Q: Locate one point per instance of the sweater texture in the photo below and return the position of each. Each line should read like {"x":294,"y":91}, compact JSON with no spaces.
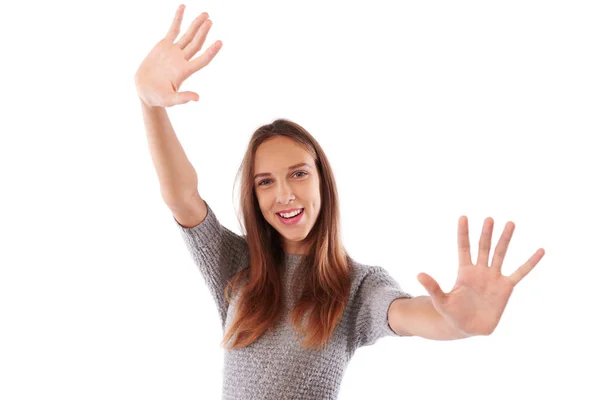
{"x":276,"y":366}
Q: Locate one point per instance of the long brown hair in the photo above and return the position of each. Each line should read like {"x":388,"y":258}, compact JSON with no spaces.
{"x":326,"y":281}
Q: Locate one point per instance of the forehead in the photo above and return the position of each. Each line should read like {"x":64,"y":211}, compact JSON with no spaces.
{"x":279,"y":153}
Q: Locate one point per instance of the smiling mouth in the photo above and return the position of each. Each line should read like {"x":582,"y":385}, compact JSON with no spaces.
{"x":300,"y":209}
{"x":292,"y":220}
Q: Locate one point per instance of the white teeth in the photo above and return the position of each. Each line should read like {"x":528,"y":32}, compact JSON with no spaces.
{"x":292,"y":214}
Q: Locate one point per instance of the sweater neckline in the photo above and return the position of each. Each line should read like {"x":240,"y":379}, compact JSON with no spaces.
{"x":292,"y":258}
{"x":292,"y":255}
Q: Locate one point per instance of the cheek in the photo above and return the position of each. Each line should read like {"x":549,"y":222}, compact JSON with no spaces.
{"x":263,"y":203}
{"x":316,"y":190}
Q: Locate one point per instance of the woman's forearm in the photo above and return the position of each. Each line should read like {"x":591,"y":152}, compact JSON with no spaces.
{"x":177,"y":177}
{"x":418,"y":317}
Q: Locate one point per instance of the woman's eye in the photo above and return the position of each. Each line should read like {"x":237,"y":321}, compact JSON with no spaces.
{"x":295,"y":174}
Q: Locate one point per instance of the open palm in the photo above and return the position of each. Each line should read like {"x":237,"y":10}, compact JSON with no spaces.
{"x":170,"y":63}
{"x":476,"y":303}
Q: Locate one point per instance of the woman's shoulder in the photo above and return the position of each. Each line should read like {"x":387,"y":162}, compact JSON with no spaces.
{"x":360,"y":271}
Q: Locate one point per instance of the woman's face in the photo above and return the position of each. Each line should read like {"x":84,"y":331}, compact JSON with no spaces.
{"x":279,"y":188}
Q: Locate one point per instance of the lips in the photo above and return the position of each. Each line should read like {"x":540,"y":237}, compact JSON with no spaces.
{"x":291,"y":221}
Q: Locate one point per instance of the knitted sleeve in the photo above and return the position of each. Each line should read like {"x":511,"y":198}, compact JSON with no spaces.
{"x":374,"y":296}
{"x":219,"y":254}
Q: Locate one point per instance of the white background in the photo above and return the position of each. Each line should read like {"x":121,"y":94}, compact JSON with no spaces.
{"x":427,"y":111}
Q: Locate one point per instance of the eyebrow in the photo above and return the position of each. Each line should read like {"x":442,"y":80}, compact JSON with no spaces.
{"x":289,"y":168}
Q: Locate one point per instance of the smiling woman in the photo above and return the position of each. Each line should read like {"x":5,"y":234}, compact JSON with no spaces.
{"x":291,"y":299}
{"x":294,"y":306}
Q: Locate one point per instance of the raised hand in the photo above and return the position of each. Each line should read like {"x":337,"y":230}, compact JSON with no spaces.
{"x":477,"y":301}
{"x":168,"y":64}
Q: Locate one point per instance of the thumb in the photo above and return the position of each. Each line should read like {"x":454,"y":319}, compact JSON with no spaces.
{"x":184,"y":97}
{"x":430,"y":285}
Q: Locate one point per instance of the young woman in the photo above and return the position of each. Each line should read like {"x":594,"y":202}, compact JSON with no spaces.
{"x":294,"y":306}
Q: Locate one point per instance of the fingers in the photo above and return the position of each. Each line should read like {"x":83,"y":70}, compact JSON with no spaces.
{"x":198,"y":40}
{"x":502,"y":247}
{"x":527,"y":267}
{"x":176,"y":24}
{"x":485,"y":242}
{"x":464,"y":248}
{"x":191,"y":32}
{"x":206,"y":57}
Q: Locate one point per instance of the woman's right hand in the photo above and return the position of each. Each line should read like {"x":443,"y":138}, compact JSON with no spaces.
{"x":168,"y":64}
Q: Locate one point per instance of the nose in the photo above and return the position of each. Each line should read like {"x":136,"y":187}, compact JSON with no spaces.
{"x":284,"y":194}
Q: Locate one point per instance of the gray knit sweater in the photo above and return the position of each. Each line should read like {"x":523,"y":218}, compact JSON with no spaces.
{"x":276,"y":366}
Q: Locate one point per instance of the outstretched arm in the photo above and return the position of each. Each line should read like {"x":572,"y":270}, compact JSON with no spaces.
{"x":418,"y":317}
{"x":477,"y":301}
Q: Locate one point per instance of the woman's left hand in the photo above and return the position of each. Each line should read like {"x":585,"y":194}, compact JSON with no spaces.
{"x":476,"y":303}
